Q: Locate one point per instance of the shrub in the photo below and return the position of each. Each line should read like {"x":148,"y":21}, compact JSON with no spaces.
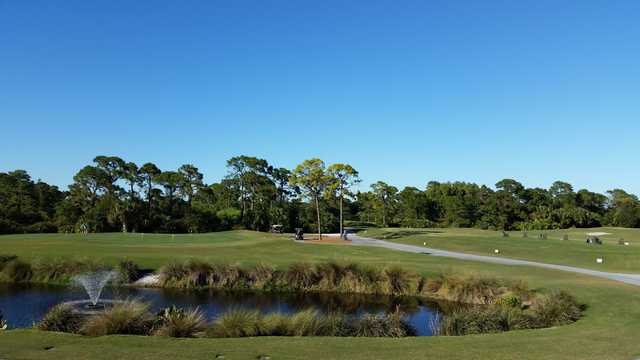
{"x":301,"y":276}
{"x":129,"y":317}
{"x":388,"y":325}
{"x":307,"y":323}
{"x":224,"y":276}
{"x":557,"y":308}
{"x":60,"y":270}
{"x":510,"y":300}
{"x":303,"y":323}
{"x":16,"y":271}
{"x":61,"y":318}
{"x":172,"y":274}
{"x":235,"y":323}
{"x":401,"y":282}
{"x":482,"y":320}
{"x":274,"y":324}
{"x":174,"y":322}
{"x":473,"y":289}
{"x":262,"y":276}
{"x":4,"y":259}
{"x":128,"y":271}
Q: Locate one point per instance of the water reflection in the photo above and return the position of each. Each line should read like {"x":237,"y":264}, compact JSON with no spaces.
{"x":25,"y":304}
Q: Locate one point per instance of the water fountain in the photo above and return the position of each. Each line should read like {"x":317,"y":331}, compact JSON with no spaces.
{"x":93,"y":283}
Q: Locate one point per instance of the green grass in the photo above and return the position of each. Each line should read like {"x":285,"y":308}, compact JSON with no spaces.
{"x":553,"y":250}
{"x":609,"y":329}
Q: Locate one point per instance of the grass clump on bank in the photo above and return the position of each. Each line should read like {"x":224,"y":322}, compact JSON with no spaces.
{"x":61,"y":318}
{"x":179,"y":323}
{"x":56,"y":271}
{"x":128,"y":318}
{"x":134,"y":318}
{"x":555,"y":309}
{"x":336,"y":277}
{"x":245,"y":323}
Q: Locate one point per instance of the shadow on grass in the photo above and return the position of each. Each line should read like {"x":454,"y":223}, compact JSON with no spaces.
{"x":404,"y":233}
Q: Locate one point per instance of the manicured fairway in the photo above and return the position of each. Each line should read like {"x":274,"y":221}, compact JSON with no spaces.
{"x":554,"y":250}
{"x":608,"y":331}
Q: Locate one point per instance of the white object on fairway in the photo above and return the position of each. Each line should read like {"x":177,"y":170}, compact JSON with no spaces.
{"x":599,"y":260}
{"x":424,"y":243}
{"x":496,"y":251}
{"x":626,"y":243}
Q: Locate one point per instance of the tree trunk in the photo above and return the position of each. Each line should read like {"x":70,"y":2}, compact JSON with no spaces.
{"x":318,"y":213}
{"x":341,"y":222}
{"x":384,"y":216}
{"x":150,"y":185}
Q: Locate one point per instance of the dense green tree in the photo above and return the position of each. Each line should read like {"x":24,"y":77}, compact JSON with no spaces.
{"x":116,"y":195}
{"x":147,"y":176}
{"x":385,"y":199}
{"x":312,"y":178}
{"x":342,"y":177}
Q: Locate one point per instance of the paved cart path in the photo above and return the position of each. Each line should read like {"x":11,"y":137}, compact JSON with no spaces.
{"x":356,"y":240}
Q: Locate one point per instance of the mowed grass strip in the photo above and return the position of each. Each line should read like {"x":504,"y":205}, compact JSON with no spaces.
{"x":553,"y":250}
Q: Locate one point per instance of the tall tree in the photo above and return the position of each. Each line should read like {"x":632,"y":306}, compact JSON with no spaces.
{"x":342,"y":178}
{"x":170,"y":180}
{"x":191,"y":181}
{"x":311,"y":177}
{"x":242,"y":170}
{"x":148,"y":174}
{"x":385,"y":195}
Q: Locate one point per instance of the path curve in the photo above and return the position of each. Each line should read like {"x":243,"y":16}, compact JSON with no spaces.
{"x":633,"y":279}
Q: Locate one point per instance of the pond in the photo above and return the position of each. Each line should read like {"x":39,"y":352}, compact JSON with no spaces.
{"x":23,"y":305}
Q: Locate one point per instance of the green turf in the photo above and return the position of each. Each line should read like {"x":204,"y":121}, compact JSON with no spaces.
{"x":554,"y":250}
{"x":609,"y":330}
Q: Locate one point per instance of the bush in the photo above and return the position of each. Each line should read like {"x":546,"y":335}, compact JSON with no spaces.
{"x":16,"y":271}
{"x":510,"y":300}
{"x":60,"y":270}
{"x":129,"y":317}
{"x":482,"y":320}
{"x":128,"y":272}
{"x":307,"y":323}
{"x":558,"y":308}
{"x":241,"y":323}
{"x":4,"y":259}
{"x":236,"y":323}
{"x":61,"y":318}
{"x":301,"y":276}
{"x":174,"y":322}
{"x":401,"y":282}
{"x":473,"y":289}
{"x":274,"y":324}
{"x":388,"y":325}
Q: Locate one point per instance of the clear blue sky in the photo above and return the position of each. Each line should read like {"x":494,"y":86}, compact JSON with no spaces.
{"x":405,"y":91}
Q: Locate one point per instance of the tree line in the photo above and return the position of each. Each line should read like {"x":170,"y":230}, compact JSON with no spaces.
{"x":112,"y":194}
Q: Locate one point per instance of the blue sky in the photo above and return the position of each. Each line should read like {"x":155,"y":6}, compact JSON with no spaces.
{"x":405,"y":91}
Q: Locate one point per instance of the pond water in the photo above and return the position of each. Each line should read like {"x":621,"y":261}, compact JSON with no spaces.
{"x":23,"y":305}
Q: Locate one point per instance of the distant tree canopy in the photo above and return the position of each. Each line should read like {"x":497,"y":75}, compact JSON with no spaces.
{"x":115,"y":195}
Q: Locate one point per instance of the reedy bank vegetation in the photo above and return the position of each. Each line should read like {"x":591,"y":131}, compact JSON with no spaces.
{"x":134,"y":318}
{"x":338,"y":277}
